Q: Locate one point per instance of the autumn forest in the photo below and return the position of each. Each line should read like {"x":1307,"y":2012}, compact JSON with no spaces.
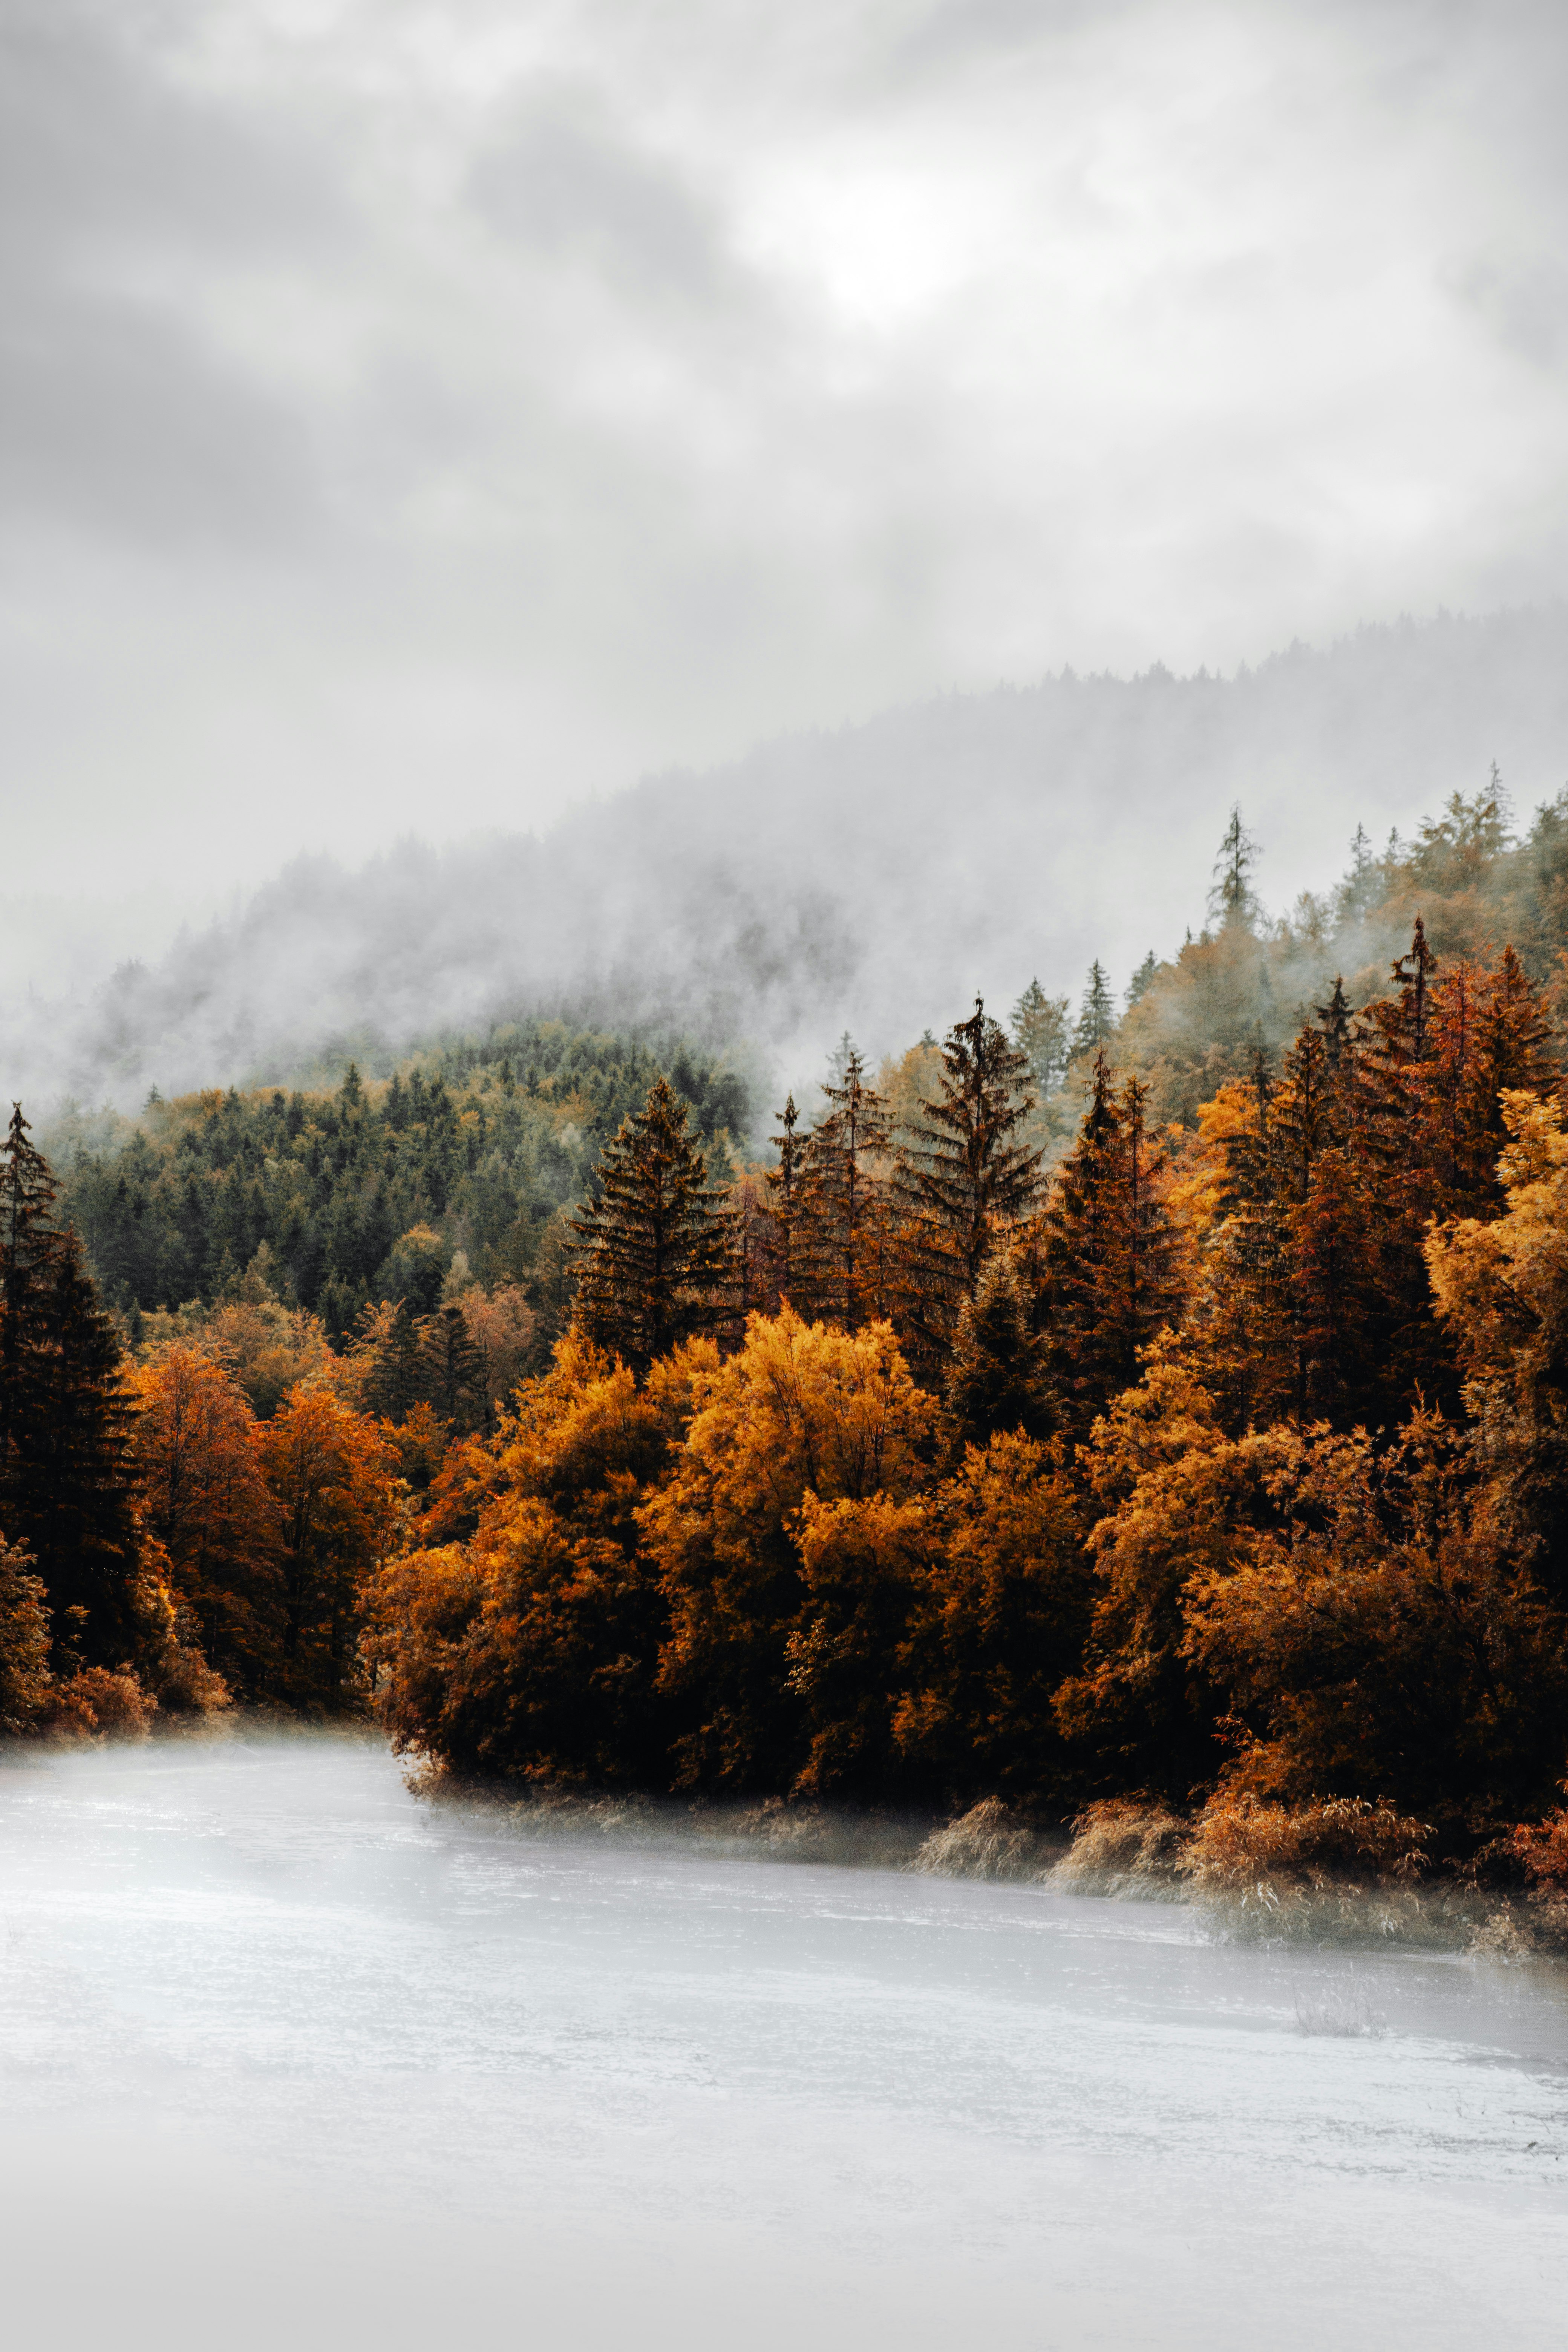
{"x":1154,"y":1399}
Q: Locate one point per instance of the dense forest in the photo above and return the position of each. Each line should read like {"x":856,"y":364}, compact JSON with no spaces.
{"x":1157,"y":1401}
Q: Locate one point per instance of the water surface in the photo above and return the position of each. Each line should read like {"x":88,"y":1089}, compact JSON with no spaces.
{"x":290,"y":2056}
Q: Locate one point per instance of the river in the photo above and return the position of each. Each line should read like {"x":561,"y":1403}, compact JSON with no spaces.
{"x":292,"y":2057}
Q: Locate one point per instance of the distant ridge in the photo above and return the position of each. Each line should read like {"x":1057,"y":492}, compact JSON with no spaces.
{"x":871,"y":878}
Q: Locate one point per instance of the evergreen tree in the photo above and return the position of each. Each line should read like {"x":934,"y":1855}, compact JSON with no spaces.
{"x":388,"y":1342}
{"x":995,"y":1372}
{"x":1335,"y":1020}
{"x":66,"y":1480}
{"x":965,"y":1178}
{"x":650,"y":1249}
{"x":1041,"y":1034}
{"x":1231,"y":900}
{"x":1137,"y":987}
{"x":787,"y":1182}
{"x":1096,"y":1013}
{"x":456,"y":1376}
{"x":1104,"y":1256}
{"x":844,"y":1239}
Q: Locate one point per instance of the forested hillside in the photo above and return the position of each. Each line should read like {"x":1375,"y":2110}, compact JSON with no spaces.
{"x":1149,"y":1412}
{"x":870,"y":877}
{"x":477,"y":1147}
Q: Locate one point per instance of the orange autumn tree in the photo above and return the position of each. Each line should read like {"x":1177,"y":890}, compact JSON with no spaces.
{"x":197,"y":1450}
{"x":800,"y":1411}
{"x":331,"y":1475}
{"x":529,"y":1644}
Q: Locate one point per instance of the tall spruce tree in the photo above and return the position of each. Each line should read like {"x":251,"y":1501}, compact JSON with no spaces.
{"x":66,"y":1476}
{"x":786,"y":1203}
{"x":1096,"y":1013}
{"x":1232,"y":900}
{"x":650,"y":1247}
{"x":966,"y":1179}
{"x":1103,"y":1255}
{"x":1040,"y":1033}
{"x":844,"y":1238}
{"x":995,"y":1371}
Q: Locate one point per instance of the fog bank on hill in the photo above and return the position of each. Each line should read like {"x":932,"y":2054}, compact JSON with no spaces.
{"x":873,"y":878}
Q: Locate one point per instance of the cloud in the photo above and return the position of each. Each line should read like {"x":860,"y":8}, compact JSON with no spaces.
{"x":429,"y":416}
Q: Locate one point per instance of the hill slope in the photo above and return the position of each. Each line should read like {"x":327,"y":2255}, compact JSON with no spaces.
{"x":873,"y":877}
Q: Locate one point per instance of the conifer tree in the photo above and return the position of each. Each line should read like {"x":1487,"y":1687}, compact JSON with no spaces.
{"x":966,"y":1178}
{"x":388,"y":1337}
{"x":792,"y":1273}
{"x":652,"y":1264}
{"x":1143,"y":979}
{"x":1096,"y":1013}
{"x":1104,"y":1256}
{"x":456,"y":1376}
{"x":1231,"y":900}
{"x":1040,"y":1033}
{"x":844,"y":1235}
{"x":995,"y":1372}
{"x":66,"y":1480}
{"x":1335,"y":1020}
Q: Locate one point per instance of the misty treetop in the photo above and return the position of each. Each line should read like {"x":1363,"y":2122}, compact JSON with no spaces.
{"x":487,"y":1145}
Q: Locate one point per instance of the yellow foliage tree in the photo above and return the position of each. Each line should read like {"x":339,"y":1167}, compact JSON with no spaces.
{"x":197,"y":1447}
{"x":799,"y":1410}
{"x":330,"y":1474}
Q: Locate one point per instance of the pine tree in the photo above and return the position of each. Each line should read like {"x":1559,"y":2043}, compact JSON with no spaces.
{"x":791,"y":1269}
{"x":1413,"y":974}
{"x":1137,"y":987}
{"x":1041,"y":1034}
{"x":966,"y":1179}
{"x":1231,"y":900}
{"x":1096,"y":1013}
{"x":455,"y":1376}
{"x":844,"y":1234}
{"x":387,"y":1342}
{"x":995,"y":1372}
{"x":65,"y":1477}
{"x":1335,"y":1019}
{"x":1104,"y":1256}
{"x":652,"y":1266}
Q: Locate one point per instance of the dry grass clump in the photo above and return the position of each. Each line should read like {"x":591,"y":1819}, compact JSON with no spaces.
{"x":988,"y":1841}
{"x":1125,"y":1845}
{"x":96,"y":1703}
{"x":1245,"y":1843}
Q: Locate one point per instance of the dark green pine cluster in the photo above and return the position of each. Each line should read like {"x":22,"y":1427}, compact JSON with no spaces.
{"x":488,"y":1143}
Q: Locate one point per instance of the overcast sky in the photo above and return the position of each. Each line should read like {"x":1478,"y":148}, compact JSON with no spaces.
{"x":422,"y":415}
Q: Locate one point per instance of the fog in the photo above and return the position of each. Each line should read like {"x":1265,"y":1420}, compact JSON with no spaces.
{"x":426,"y":418}
{"x":872,"y":878}
{"x":290,"y":2056}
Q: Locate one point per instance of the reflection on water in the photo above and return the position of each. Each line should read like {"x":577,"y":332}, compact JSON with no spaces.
{"x":289,"y":2055}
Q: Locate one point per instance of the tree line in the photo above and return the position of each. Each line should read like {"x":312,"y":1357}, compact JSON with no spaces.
{"x":1213,"y":1461}
{"x":1219,"y":1464}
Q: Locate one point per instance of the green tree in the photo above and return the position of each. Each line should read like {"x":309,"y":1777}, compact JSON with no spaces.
{"x":996,"y":1370}
{"x":791,"y":1269}
{"x":1041,"y":1034}
{"x":966,"y":1178}
{"x":652,"y":1262}
{"x":1232,"y":900}
{"x":844,"y":1235}
{"x":1096,"y":1013}
{"x":1104,"y":1256}
{"x":66,"y":1479}
{"x":455,"y":1373}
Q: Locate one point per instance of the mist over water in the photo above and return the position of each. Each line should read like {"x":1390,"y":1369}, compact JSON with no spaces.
{"x":292,"y":2056}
